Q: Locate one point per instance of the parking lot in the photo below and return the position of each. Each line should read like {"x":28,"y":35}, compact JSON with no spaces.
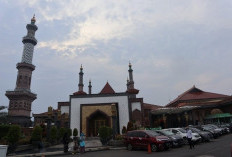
{"x":220,"y":147}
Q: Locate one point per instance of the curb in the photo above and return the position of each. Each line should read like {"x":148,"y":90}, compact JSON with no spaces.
{"x":69,"y":153}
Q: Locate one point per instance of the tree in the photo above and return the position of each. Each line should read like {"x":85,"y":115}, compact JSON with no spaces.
{"x":105,"y":134}
{"x":3,"y":115}
{"x":130,"y":126}
{"x":36,"y":134}
{"x":123,"y":130}
{"x":61,"y":133}
{"x":53,"y":134}
{"x":75,"y":132}
{"x":13,"y":137}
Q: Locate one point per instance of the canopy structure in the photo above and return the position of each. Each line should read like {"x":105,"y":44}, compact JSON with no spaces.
{"x":219,"y":115}
{"x":172,"y":110}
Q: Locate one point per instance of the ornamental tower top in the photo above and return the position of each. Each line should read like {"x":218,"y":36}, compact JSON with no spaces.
{"x":29,"y":42}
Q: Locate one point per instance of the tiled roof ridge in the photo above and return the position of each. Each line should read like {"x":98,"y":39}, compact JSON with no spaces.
{"x":107,"y":89}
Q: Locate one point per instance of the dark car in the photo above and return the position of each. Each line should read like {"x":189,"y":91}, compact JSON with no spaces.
{"x":176,"y":140}
{"x":205,"y":136}
{"x":215,"y":133}
{"x":143,"y":138}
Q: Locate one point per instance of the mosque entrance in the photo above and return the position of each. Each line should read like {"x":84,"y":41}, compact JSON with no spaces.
{"x":95,"y":121}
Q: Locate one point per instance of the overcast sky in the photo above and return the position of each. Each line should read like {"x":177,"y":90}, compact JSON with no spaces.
{"x":172,"y":45}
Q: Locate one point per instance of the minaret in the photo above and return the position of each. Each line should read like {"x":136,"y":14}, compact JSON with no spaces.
{"x":90,"y":87}
{"x":21,"y":98}
{"x":127,"y":83}
{"x":81,"y":85}
{"x":130,"y":84}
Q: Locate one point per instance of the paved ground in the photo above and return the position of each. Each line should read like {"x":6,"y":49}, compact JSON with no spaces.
{"x":217,"y":148}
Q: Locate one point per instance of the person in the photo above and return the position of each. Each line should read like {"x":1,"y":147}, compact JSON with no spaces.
{"x":65,"y":142}
{"x":82,"y":142}
{"x":189,"y":137}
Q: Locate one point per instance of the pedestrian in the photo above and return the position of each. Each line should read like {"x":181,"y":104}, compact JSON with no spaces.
{"x":189,"y":137}
{"x":65,"y":142}
{"x":82,"y":142}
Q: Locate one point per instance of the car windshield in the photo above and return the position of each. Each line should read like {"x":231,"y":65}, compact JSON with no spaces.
{"x":182,"y":130}
{"x":152,"y":133}
{"x":166,"y":132}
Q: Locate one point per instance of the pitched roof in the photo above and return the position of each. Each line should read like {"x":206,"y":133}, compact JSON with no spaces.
{"x":195,"y":94}
{"x":107,"y":89}
{"x":151,"y":106}
{"x":79,"y":93}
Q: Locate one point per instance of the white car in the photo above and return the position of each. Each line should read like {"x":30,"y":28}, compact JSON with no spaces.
{"x":183,"y":133}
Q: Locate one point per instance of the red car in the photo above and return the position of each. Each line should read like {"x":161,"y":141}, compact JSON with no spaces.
{"x":143,"y":138}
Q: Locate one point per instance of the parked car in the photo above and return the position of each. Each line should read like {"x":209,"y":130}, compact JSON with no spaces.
{"x":176,"y":140}
{"x":143,"y":138}
{"x":215,"y":127}
{"x":215,"y":133}
{"x":183,"y":133}
{"x":205,"y":136}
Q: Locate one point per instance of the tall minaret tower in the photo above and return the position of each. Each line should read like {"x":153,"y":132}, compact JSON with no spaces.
{"x":130,"y":84}
{"x":21,"y":98}
{"x":90,"y":87}
{"x":80,"y":85}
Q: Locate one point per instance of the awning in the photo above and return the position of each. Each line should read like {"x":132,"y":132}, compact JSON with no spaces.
{"x":219,"y":115}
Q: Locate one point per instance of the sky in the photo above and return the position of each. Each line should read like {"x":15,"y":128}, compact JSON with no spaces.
{"x":171,"y":44}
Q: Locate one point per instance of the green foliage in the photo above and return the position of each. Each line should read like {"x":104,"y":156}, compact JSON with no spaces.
{"x":130,"y":126}
{"x":75,"y":132}
{"x":118,"y":137}
{"x":105,"y":133}
{"x":61,"y":133}
{"x":53,"y":134}
{"x":44,"y":130}
{"x":123,"y":130}
{"x":4,"y":130}
{"x":37,"y":133}
{"x":13,"y":134}
{"x":3,"y":115}
{"x":25,"y":140}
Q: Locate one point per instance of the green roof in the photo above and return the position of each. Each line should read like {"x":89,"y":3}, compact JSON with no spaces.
{"x":219,"y":115}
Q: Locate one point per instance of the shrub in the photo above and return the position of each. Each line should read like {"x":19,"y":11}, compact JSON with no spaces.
{"x":75,"y":132}
{"x":4,"y":130}
{"x":130,"y":126}
{"x":105,"y":134}
{"x":37,"y":134}
{"x":118,"y":137}
{"x":123,"y":130}
{"x":24,"y":141}
{"x":61,"y":133}
{"x":53,"y":134}
{"x":14,"y":134}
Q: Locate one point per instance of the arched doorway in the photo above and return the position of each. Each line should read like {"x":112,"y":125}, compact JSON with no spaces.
{"x":96,"y":120}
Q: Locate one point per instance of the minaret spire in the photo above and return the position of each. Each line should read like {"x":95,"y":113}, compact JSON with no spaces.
{"x":90,"y":87}
{"x":130,"y":84}
{"x":81,"y":85}
{"x":21,"y":98}
{"x":131,"y":81}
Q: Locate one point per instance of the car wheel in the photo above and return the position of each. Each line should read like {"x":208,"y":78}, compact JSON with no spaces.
{"x":129,"y":147}
{"x":154,"y":148}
